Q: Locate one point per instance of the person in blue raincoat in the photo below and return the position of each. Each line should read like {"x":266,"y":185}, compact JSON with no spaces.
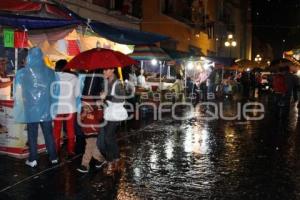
{"x":35,"y":100}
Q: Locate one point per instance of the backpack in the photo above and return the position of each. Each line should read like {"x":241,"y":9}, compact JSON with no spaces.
{"x":279,"y":84}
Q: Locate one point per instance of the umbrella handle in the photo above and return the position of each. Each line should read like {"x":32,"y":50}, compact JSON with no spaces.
{"x":91,"y":83}
{"x":120,"y":74}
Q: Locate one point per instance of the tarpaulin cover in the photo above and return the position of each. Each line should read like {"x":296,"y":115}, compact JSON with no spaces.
{"x":21,"y":39}
{"x":56,"y":11}
{"x":32,"y":98}
{"x":178,"y":55}
{"x":125,"y":35}
{"x":149,"y":52}
{"x":32,"y":23}
{"x":18,"y":5}
{"x":33,"y":7}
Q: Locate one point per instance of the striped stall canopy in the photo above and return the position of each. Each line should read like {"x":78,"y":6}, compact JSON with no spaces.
{"x":149,"y":52}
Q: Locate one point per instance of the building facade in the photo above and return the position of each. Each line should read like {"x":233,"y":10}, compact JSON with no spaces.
{"x":198,"y":26}
{"x":234,"y":17}
{"x":181,"y":20}
{"x":201,"y":25}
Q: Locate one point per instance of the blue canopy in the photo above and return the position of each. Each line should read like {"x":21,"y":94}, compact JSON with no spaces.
{"x":32,"y":23}
{"x":125,"y":35}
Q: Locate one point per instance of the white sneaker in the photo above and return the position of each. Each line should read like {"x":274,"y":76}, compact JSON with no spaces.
{"x":54,"y":161}
{"x":31,"y":164}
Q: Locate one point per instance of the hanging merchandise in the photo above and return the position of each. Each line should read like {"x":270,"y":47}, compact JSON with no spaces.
{"x":8,"y":38}
{"x":21,"y":39}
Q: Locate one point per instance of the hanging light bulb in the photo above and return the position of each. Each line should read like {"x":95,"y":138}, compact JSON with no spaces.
{"x":154,"y":62}
{"x":190,"y":65}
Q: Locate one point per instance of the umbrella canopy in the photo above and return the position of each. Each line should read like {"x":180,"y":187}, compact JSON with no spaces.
{"x":149,"y":52}
{"x":280,"y":63}
{"x":290,"y":62}
{"x":99,"y":58}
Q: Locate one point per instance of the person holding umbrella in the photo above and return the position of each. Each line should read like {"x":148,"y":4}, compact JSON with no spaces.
{"x":114,"y":113}
{"x":113,"y":97}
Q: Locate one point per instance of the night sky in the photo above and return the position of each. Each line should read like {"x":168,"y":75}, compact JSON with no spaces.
{"x":277,"y":22}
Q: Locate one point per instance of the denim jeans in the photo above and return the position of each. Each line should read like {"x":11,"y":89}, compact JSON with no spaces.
{"x":32,"y":135}
{"x":107,"y":141}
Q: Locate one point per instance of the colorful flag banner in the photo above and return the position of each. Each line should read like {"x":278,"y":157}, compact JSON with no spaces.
{"x":73,"y":48}
{"x":21,"y":39}
{"x":8,"y":38}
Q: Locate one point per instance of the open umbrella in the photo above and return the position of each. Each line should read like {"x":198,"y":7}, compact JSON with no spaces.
{"x":99,"y":58}
{"x":280,"y":63}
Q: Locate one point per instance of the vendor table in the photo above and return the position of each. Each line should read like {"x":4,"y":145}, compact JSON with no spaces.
{"x":13,"y":136}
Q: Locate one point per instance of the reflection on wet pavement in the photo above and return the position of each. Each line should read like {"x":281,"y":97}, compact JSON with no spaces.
{"x":192,"y":159}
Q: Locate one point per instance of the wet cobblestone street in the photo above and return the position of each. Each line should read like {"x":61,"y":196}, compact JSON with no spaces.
{"x":169,"y":159}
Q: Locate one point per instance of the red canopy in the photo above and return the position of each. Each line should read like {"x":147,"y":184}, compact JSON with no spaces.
{"x":25,"y":6}
{"x":17,"y":5}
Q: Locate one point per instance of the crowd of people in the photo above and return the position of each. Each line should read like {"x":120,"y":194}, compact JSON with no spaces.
{"x":51,"y":99}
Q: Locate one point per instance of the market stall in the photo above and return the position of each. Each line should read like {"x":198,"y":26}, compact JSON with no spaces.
{"x":19,"y":32}
{"x":60,"y":33}
{"x":153,"y":60}
{"x":155,"y":70}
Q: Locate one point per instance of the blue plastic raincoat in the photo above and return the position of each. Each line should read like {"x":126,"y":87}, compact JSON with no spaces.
{"x":33,"y":99}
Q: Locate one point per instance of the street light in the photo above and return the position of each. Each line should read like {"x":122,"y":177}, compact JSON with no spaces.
{"x":233,"y":43}
{"x":230,"y":42}
{"x":258,"y":58}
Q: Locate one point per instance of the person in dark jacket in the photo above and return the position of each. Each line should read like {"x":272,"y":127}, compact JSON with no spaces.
{"x":107,"y":141}
{"x":245,"y":81}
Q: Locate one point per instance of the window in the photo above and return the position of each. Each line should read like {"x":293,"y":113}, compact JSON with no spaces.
{"x":178,"y":9}
{"x":211,"y":30}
